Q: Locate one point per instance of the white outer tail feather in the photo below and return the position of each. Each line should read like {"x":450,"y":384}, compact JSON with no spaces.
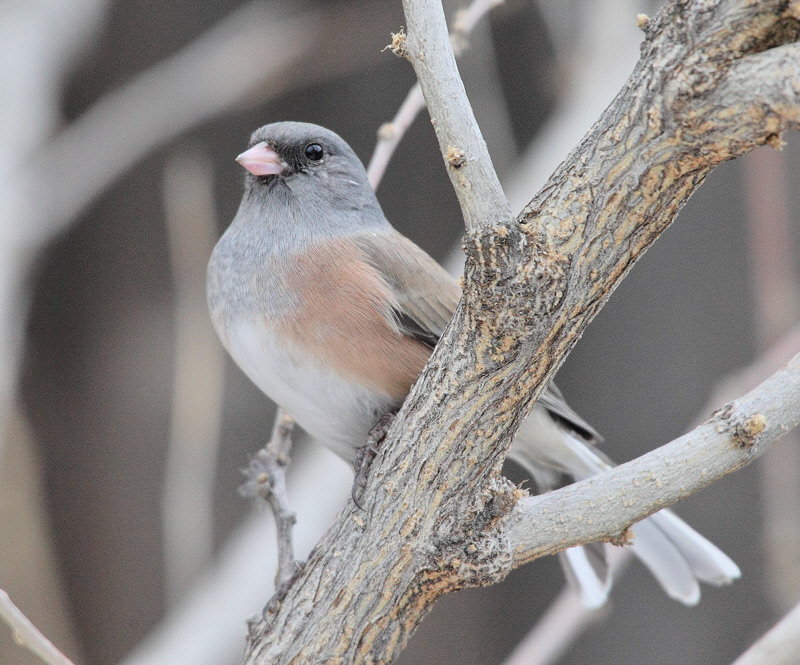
{"x":676,"y":555}
{"x":592,"y":590}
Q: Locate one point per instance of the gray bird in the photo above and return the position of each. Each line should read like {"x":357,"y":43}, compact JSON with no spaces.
{"x":333,"y":314}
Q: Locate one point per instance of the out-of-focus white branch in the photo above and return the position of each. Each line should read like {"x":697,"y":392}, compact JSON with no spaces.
{"x":193,"y":451}
{"x":45,"y":186}
{"x":49,"y":33}
{"x":779,"y":646}
{"x":224,"y":66}
{"x":564,"y":622}
{"x":28,"y":635}
{"x":54,"y":179}
{"x":775,"y":288}
{"x":39,"y":40}
{"x":206,"y":628}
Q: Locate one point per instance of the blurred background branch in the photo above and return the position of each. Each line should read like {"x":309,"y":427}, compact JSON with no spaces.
{"x":775,"y":288}
{"x":27,"y":635}
{"x":193,"y":449}
{"x":779,"y":646}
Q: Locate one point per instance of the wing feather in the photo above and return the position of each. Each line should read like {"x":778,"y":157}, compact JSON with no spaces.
{"x":426,"y":297}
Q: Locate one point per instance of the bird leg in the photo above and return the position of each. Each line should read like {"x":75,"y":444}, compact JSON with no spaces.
{"x":366,"y":453}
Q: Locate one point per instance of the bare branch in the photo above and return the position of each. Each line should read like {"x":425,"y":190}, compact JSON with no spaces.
{"x":391,"y":133}
{"x":469,"y":166}
{"x":267,"y":479}
{"x":604,"y":506}
{"x":28,"y":635}
{"x":567,"y":617}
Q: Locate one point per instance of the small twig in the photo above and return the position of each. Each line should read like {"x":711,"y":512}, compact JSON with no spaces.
{"x":567,"y":618}
{"x":266,"y":477}
{"x":28,"y":635}
{"x":779,"y":646}
{"x":391,"y":133}
{"x":732,"y":438}
{"x":427,"y":46}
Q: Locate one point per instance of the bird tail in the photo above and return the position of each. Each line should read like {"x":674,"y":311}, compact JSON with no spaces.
{"x":677,"y":556}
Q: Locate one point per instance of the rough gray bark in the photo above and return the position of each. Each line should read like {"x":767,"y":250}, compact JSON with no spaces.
{"x":715,"y":80}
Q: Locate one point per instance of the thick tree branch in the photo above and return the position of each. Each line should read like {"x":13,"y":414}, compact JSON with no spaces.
{"x":437,"y":508}
{"x":602,"y":507}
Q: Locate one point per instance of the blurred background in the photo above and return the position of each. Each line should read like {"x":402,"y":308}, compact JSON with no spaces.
{"x":122,"y":535}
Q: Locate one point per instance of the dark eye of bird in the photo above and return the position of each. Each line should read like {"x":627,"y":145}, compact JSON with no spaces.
{"x":314,"y":152}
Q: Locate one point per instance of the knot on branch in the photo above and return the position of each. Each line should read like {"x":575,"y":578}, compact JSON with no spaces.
{"x":513,"y":278}
{"x":456,"y":157}
{"x":477,"y":552}
{"x":744,"y":431}
{"x":622,"y":539}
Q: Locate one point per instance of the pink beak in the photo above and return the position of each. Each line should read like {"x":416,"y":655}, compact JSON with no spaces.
{"x":261,"y":160}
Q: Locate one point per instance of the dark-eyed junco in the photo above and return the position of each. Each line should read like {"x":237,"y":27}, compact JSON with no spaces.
{"x":333,"y":314}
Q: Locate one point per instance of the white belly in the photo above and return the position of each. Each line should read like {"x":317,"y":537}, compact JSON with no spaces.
{"x":336,"y":412}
